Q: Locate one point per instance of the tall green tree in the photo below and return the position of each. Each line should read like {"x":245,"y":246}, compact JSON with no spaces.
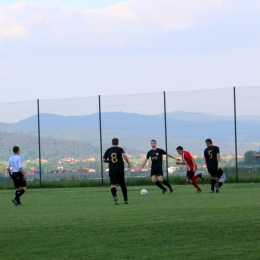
{"x":250,"y":160}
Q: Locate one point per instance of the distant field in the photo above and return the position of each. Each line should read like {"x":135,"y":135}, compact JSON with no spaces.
{"x":84,"y":223}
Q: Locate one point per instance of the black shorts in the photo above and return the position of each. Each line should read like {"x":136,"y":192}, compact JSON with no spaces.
{"x":157,"y":171}
{"x":190,"y":174}
{"x":18,"y":180}
{"x":117,"y":177}
{"x":215,"y":173}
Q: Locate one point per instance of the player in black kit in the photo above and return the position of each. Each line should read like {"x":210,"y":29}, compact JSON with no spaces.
{"x":212,"y":159}
{"x":115,"y":157}
{"x":156,"y":168}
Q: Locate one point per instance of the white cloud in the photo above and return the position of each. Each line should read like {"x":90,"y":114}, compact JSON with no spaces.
{"x":13,"y":32}
{"x":121,"y":25}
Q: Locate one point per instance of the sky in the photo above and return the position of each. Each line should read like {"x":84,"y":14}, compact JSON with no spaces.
{"x":70,"y":49}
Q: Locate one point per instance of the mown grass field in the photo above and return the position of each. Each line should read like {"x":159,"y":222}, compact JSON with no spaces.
{"x":84,"y":223}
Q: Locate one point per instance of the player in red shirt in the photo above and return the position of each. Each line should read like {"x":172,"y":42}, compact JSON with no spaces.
{"x":188,"y":160}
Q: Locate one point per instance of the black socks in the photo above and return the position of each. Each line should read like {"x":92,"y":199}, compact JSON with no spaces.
{"x":124,"y":191}
{"x":213,"y":182}
{"x":157,"y":183}
{"x":113,"y":191}
{"x":18,"y":194}
{"x":166,"y":183}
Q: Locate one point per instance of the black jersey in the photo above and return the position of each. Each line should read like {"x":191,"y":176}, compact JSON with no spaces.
{"x":156,"y":157}
{"x":210,"y":154}
{"x":114,"y":157}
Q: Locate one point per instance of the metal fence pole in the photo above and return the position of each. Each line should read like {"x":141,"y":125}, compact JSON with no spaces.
{"x":235,"y":125}
{"x":100,"y":138}
{"x":39,"y":141}
{"x":165,"y":129}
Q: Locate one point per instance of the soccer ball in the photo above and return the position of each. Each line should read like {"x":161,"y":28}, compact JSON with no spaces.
{"x":144,"y":192}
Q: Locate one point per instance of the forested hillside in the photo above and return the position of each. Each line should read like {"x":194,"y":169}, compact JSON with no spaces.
{"x":51,"y":148}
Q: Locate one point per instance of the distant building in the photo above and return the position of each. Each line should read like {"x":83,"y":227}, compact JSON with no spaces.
{"x":31,"y":172}
{"x":135,"y":169}
{"x":230,"y":155}
{"x":91,"y":159}
{"x":173,"y":169}
{"x":70,"y":160}
{"x":143,"y":155}
{"x":42,"y":160}
{"x":86,"y":170}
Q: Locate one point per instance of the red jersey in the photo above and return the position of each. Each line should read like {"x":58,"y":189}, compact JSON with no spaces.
{"x":187,"y":158}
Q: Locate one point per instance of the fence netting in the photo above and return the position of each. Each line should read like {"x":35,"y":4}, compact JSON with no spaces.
{"x":135,"y":120}
{"x":18,"y":127}
{"x":71,"y":135}
{"x":248,"y":128}
{"x":194,"y":116}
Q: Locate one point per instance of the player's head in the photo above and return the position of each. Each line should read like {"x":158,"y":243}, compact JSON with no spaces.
{"x":179,"y":150}
{"x":115,"y":141}
{"x":153,"y":143}
{"x":208,"y":142}
{"x":16,"y":149}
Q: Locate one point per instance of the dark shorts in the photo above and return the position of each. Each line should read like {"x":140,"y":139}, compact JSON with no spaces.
{"x":117,"y":177}
{"x":215,"y":173}
{"x":190,"y":174}
{"x":157,"y":172}
{"x":18,"y":180}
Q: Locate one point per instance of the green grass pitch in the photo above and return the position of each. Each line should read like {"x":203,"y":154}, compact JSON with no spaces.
{"x":84,"y":223}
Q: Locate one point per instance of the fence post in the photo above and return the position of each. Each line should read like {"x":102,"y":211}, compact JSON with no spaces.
{"x":165,"y":129}
{"x":235,"y":125}
{"x":39,"y":141}
{"x":100,"y":139}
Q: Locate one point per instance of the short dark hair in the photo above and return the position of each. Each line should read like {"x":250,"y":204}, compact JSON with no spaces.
{"x":179,"y":148}
{"x":153,"y":140}
{"x":208,"y":141}
{"x":16,"y":149}
{"x":115,"y":141}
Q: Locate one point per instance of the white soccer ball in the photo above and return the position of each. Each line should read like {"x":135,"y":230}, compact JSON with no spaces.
{"x":144,"y":192}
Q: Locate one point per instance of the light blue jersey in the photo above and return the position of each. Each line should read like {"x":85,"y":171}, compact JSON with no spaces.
{"x":15,"y":161}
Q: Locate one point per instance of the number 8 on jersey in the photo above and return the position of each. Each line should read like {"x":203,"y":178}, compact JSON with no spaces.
{"x":114,"y":158}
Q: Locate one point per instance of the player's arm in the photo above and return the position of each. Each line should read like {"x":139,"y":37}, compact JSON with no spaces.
{"x":205,"y":157}
{"x":195,"y":165}
{"x":9,"y":171}
{"x":105,"y":160}
{"x":126,"y":159}
{"x":180,"y":162}
{"x":143,"y":164}
{"x":256,"y":155}
{"x":22,"y":172}
{"x":171,"y":156}
{"x":218,"y":158}
{"x":20,"y":164}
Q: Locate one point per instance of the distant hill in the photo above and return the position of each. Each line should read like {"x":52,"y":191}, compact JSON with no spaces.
{"x":135,"y":132}
{"x":182,"y":124}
